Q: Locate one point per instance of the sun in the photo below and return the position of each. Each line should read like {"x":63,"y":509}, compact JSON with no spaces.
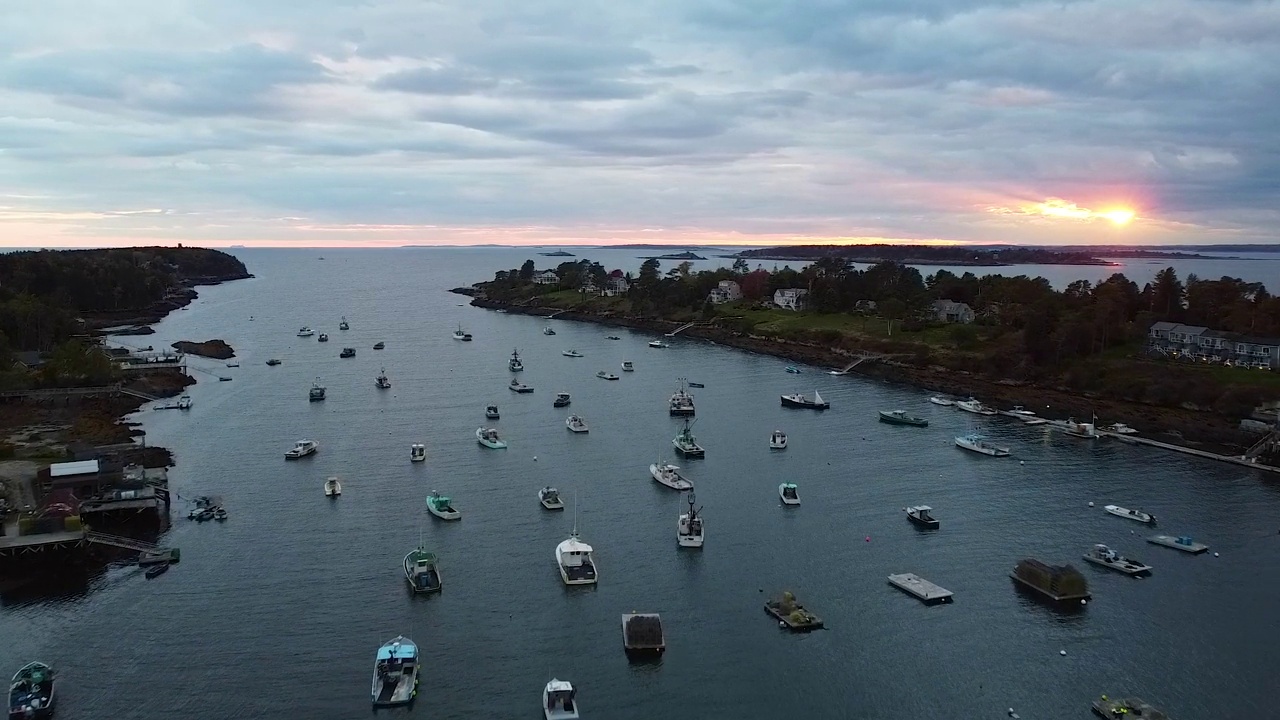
{"x":1118,"y":216}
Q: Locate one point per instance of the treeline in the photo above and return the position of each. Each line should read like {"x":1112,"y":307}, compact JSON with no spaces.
{"x":937,"y":254}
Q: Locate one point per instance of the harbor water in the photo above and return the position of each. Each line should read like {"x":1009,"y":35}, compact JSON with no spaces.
{"x":278,"y":611}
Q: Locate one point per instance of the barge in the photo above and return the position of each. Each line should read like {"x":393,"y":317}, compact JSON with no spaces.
{"x":791,"y":614}
{"x":1182,"y":542}
{"x":1056,"y":582}
{"x":642,"y":635}
{"x":922,"y":589}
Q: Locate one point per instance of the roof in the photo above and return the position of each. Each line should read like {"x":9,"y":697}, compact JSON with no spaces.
{"x":84,"y":467}
{"x":398,"y":648}
{"x":573,"y":545}
{"x":1163,"y":326}
{"x":1256,"y":340}
{"x":29,"y":358}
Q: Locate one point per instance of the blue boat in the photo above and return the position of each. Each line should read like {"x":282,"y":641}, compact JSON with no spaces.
{"x":31,"y":693}
{"x":395,"y":673}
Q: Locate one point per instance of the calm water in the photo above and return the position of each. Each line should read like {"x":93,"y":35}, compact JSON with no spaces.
{"x":277,"y":612}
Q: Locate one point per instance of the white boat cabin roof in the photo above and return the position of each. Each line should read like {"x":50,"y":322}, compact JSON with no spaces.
{"x":921,"y":508}
{"x":574,"y":546}
{"x":559,"y":686}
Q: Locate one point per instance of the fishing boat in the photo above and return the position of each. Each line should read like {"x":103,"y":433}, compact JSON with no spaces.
{"x":686,"y":444}
{"x":900,"y":417}
{"x":301,"y":449}
{"x":379,"y":345}
{"x":778,"y":440}
{"x":562,"y":400}
{"x":975,"y":407}
{"x":939,"y":400}
{"x":612,"y":337}
{"x":332,"y":487}
{"x":274,"y":362}
{"x":343,"y":324}
{"x":574,"y":557}
{"x":1086,"y":431}
{"x":1126,"y":513}
{"x":491,"y":412}
{"x":381,"y":381}
{"x":32,"y":692}
{"x":442,"y":507}
{"x":798,"y":400}
{"x":576,"y":424}
{"x":682,"y":401}
{"x":347,"y":352}
{"x":417,"y":452}
{"x":789,"y":493}
{"x":1108,"y":558}
{"x":488,"y":437}
{"x":978,"y":443}
{"x":689,"y":526}
{"x":152,"y":573}
{"x":515,"y":364}
{"x":317,"y":391}
{"x":517,"y":386}
{"x":395,"y":672}
{"x":323,"y":338}
{"x":571,"y":353}
{"x":422,"y":570}
{"x":922,"y":515}
{"x":606,"y":375}
{"x":793,"y":369}
{"x":548,"y":330}
{"x":559,"y":700}
{"x":669,"y":475}
{"x":305,"y":331}
{"x":658,"y":344}
{"x":628,"y":366}
{"x":461,"y":334}
{"x":550,"y":498}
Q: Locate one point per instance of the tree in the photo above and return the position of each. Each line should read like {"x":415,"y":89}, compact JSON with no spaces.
{"x":527,"y":270}
{"x":741,"y":267}
{"x":892,"y":309}
{"x":1167,"y":295}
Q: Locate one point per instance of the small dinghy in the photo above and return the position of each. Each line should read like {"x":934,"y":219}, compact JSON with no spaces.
{"x":332,"y":487}
{"x":576,"y":424}
{"x":559,"y":700}
{"x":606,"y":375}
{"x":939,"y":400}
{"x":789,"y":493}
{"x":550,"y":498}
{"x":669,"y":475}
{"x":442,"y":507}
{"x":422,"y":570}
{"x":488,"y":437}
{"x":152,"y":572}
{"x":491,"y":412}
{"x":32,"y":692}
{"x":1136,"y":515}
{"x":417,"y":452}
{"x":571,"y":353}
{"x":778,"y":440}
{"x":379,"y":345}
{"x":395,"y":673}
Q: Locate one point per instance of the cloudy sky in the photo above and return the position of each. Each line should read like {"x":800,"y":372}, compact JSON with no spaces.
{"x":388,"y":122}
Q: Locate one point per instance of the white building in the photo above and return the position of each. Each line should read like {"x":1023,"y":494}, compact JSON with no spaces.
{"x":790,"y":298}
{"x":617,"y":285}
{"x":546,"y":277}
{"x":726,"y":291}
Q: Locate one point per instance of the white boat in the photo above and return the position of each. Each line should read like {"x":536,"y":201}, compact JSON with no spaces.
{"x":606,"y":375}
{"x":689,"y":526}
{"x":1108,"y":558}
{"x":488,"y":437}
{"x":778,"y":440}
{"x":979,"y":444}
{"x":417,"y":452}
{"x":515,"y":364}
{"x":184,"y":402}
{"x":574,"y":558}
{"x":233,"y":364}
{"x":1026,"y":417}
{"x":975,"y":407}
{"x":548,"y":331}
{"x":789,"y":493}
{"x":628,"y":366}
{"x":667,"y":474}
{"x":382,"y":381}
{"x":461,"y":334}
{"x":442,"y":507}
{"x":1137,"y":515}
{"x":422,"y":571}
{"x":305,"y":331}
{"x":301,"y":449}
{"x":395,"y":673}
{"x":550,"y":498}
{"x":559,"y":700}
{"x":1079,"y":429}
{"x":332,"y":487}
{"x":576,"y":424}
{"x":1119,"y":429}
{"x":658,"y":344}
{"x":491,"y":412}
{"x":939,"y":400}
{"x":571,"y":353}
{"x":517,"y":386}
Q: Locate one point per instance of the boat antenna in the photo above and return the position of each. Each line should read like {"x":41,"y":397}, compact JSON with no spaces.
{"x":575,"y":513}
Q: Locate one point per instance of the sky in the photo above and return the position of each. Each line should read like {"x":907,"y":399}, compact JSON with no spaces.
{"x":392,"y":122}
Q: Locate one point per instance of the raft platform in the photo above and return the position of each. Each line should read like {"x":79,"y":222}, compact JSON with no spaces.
{"x":782,"y":612}
{"x":1182,"y":542}
{"x":1126,"y":709}
{"x":922,"y":589}
{"x":642,"y":635}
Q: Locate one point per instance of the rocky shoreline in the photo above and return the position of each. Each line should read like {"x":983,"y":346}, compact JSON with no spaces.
{"x":137,"y":322}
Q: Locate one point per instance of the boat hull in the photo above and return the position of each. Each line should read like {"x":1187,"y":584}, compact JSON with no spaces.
{"x":684,"y":540}
{"x":804,"y":404}
{"x":891,"y":419}
{"x":930,"y":524}
{"x":679,"y":483}
{"x":695,"y":451}
{"x":782,"y":495}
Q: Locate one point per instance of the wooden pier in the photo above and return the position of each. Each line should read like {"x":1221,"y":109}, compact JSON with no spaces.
{"x":922,"y":589}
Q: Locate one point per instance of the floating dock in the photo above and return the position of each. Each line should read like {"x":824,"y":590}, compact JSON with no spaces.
{"x":922,"y":589}
{"x":1182,"y":542}
{"x":792,"y":615}
{"x":642,"y":635}
{"x":1059,"y":583}
{"x":1233,"y":459}
{"x":1126,"y":708}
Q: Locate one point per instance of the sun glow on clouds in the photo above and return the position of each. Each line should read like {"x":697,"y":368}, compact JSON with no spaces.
{"x":1057,"y":208}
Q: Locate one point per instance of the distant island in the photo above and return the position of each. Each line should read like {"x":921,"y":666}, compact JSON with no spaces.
{"x":653,"y":246}
{"x":674,"y":256}
{"x":924,"y":255}
{"x":558,"y":253}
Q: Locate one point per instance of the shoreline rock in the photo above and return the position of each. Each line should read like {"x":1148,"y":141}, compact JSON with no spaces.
{"x":215,"y":349}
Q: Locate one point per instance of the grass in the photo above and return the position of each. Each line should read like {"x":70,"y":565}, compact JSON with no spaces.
{"x":854,"y":326}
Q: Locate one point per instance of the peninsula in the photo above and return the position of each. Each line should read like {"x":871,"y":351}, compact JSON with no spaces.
{"x":965,"y":255}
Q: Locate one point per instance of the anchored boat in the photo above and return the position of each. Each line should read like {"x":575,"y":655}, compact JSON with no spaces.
{"x":562,"y":400}
{"x":922,"y":515}
{"x":344,"y":325}
{"x":798,"y":400}
{"x":488,"y":437}
{"x":686,"y":444}
{"x":548,"y":330}
{"x":317,"y":392}
{"x":347,"y":352}
{"x":606,"y":375}
{"x":979,"y":444}
{"x":1108,"y":558}
{"x":642,"y":635}
{"x":461,"y":334}
{"x":900,"y":417}
{"x":689,"y":526}
{"x":658,"y":344}
{"x":1055,"y":582}
{"x":332,"y":487}
{"x":550,"y":498}
{"x":382,"y":381}
{"x":519,"y":387}
{"x":559,"y":700}
{"x":305,"y":331}
{"x":417,"y":452}
{"x":442,"y":507}
{"x":324,"y":337}
{"x":789,"y":493}
{"x":1136,"y":515}
{"x":395,"y":672}
{"x":491,"y":412}
{"x":571,"y":353}
{"x":669,"y":475}
{"x":682,"y":402}
{"x":422,"y":570}
{"x":628,"y":366}
{"x":939,"y":400}
{"x":32,"y":691}
{"x":515,"y":364}
{"x":1126,"y":708}
{"x":778,"y":440}
{"x":301,"y":449}
{"x":975,"y":407}
{"x":576,"y":424}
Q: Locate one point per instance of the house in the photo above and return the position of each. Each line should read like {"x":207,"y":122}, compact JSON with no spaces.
{"x":865,"y":306}
{"x":29,"y":359}
{"x":1256,"y":352}
{"x":546,"y":277}
{"x":1201,"y":343}
{"x":616,"y":284}
{"x":790,"y":298}
{"x":952,"y":312}
{"x":726,"y":291}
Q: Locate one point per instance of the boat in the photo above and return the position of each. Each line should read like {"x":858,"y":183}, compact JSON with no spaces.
{"x":778,"y":440}
{"x":577,"y":567}
{"x":381,"y":381}
{"x":159,"y":556}
{"x":642,"y":635}
{"x":1118,"y":429}
{"x":305,"y":331}
{"x":517,"y":386}
{"x":379,"y":345}
{"x":233,"y":364}
{"x":422,"y":570}
{"x":395,"y":672}
{"x":789,"y":493}
{"x":606,"y":375}
{"x":1126,"y":708}
{"x":975,"y":407}
{"x":332,"y":487}
{"x":900,"y":417}
{"x":1055,"y":582}
{"x":686,"y":444}
{"x":184,"y":403}
{"x":1026,"y":417}
{"x":461,"y":334}
{"x":658,"y":344}
{"x":347,"y":352}
{"x":628,"y":366}
{"x":922,"y":515}
{"x":562,"y":400}
{"x":323,"y":338}
{"x":791,"y":614}
{"x":979,"y":444}
{"x":793,"y":369}
{"x":571,"y":353}
{"x":1086,"y":431}
{"x":344,"y":325}
{"x":576,"y":424}
{"x":696,"y":385}
{"x":798,"y":400}
{"x":689,"y":526}
{"x":1137,"y":515}
{"x":301,"y":449}
{"x":488,"y":437}
{"x":1108,"y":558}
{"x":548,"y":331}
{"x":152,"y":573}
{"x":612,"y":337}
{"x":491,"y":412}
{"x":559,"y":700}
{"x":316,"y":393}
{"x":515,"y":364}
{"x":667,"y":474}
{"x":32,"y":692}
{"x":550,"y":498}
{"x":417,"y":452}
{"x":274,"y":362}
{"x":939,"y":400}
{"x":442,"y":507}
{"x":220,"y":514}
{"x":682,"y":401}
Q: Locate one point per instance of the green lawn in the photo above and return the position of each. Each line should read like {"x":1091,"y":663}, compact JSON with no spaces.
{"x":858,"y":326}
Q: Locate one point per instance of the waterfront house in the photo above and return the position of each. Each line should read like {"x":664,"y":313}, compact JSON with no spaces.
{"x":1201,"y":343}
{"x":790,"y":298}
{"x":952,"y":312}
{"x":616,"y":284}
{"x":726,"y":291}
{"x":1256,"y":352}
{"x":28,"y":359}
{"x":546,"y":277}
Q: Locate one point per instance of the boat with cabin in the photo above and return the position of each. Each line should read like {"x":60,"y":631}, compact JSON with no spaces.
{"x":461,"y":334}
{"x":689,"y":525}
{"x":799,"y":400}
{"x":1082,"y":430}
{"x":669,"y":475}
{"x":922,"y":515}
{"x":628,"y":366}
{"x":488,"y":437}
{"x":939,"y":400}
{"x":778,"y":440}
{"x":343,"y":324}
{"x":1057,"y":582}
{"x":576,"y":424}
{"x":562,"y":400}
{"x":332,"y":487}
{"x":301,"y":449}
{"x":422,"y":571}
{"x":975,"y":407}
{"x":442,"y":507}
{"x":417,"y":452}
{"x":347,"y":352}
{"x":574,"y":558}
{"x":548,"y":330}
{"x":682,"y":401}
{"x":686,"y":444}
{"x":305,"y":331}
{"x":571,"y":353}
{"x":515,"y":364}
{"x":519,"y":387}
{"x":900,"y":417}
{"x":323,"y":338}
{"x":491,"y":412}
{"x":550,"y":498}
{"x":382,"y":381}
{"x":395,"y":672}
{"x":379,"y":345}
{"x":317,"y":391}
{"x":658,"y":344}
{"x":559,"y":700}
{"x":978,"y":443}
{"x":274,"y":362}
{"x":1108,"y":558}
{"x":606,"y":375}
{"x":184,"y":403}
{"x":789,"y":493}
{"x":33,"y":690}
{"x":1135,"y":515}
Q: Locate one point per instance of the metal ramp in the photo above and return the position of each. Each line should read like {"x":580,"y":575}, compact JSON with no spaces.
{"x":1268,"y":441}
{"x":137,"y":394}
{"x":121,"y":542}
